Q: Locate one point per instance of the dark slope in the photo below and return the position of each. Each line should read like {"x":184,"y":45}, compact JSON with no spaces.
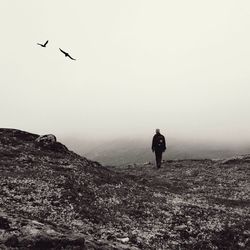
{"x":47,"y":188}
{"x":51,"y":198}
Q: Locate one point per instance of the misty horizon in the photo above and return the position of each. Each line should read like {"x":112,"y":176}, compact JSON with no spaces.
{"x":124,"y":151}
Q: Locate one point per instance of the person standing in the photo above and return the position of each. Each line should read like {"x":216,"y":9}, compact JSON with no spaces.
{"x":158,"y":146}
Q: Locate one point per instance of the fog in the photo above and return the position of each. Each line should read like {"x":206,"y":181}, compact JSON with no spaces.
{"x":181,"y":66}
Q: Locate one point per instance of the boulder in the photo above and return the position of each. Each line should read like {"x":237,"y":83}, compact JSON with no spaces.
{"x":46,"y":139}
{"x":30,"y":234}
{"x":49,"y":142}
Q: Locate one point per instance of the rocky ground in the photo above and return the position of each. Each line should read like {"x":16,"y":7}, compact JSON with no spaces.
{"x":51,"y":198}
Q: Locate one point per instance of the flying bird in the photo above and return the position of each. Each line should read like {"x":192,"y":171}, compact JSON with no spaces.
{"x":44,"y":45}
{"x":67,"y":54}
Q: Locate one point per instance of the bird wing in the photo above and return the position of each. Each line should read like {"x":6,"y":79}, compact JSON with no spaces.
{"x":46,"y":42}
{"x":63,"y":51}
{"x":71,"y":57}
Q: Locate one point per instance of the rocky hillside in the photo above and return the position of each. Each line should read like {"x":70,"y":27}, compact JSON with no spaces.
{"x":51,"y":198}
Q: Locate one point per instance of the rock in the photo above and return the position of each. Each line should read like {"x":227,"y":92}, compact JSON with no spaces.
{"x":49,"y":142}
{"x":31,"y":234}
{"x":123,"y":240}
{"x":46,"y":139}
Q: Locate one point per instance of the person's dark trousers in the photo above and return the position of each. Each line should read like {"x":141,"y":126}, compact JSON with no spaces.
{"x":158,"y":157}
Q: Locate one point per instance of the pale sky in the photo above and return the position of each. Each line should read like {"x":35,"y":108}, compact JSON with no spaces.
{"x":182,"y":66}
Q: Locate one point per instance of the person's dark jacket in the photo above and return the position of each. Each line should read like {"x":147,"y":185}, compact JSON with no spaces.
{"x":158,"y":143}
